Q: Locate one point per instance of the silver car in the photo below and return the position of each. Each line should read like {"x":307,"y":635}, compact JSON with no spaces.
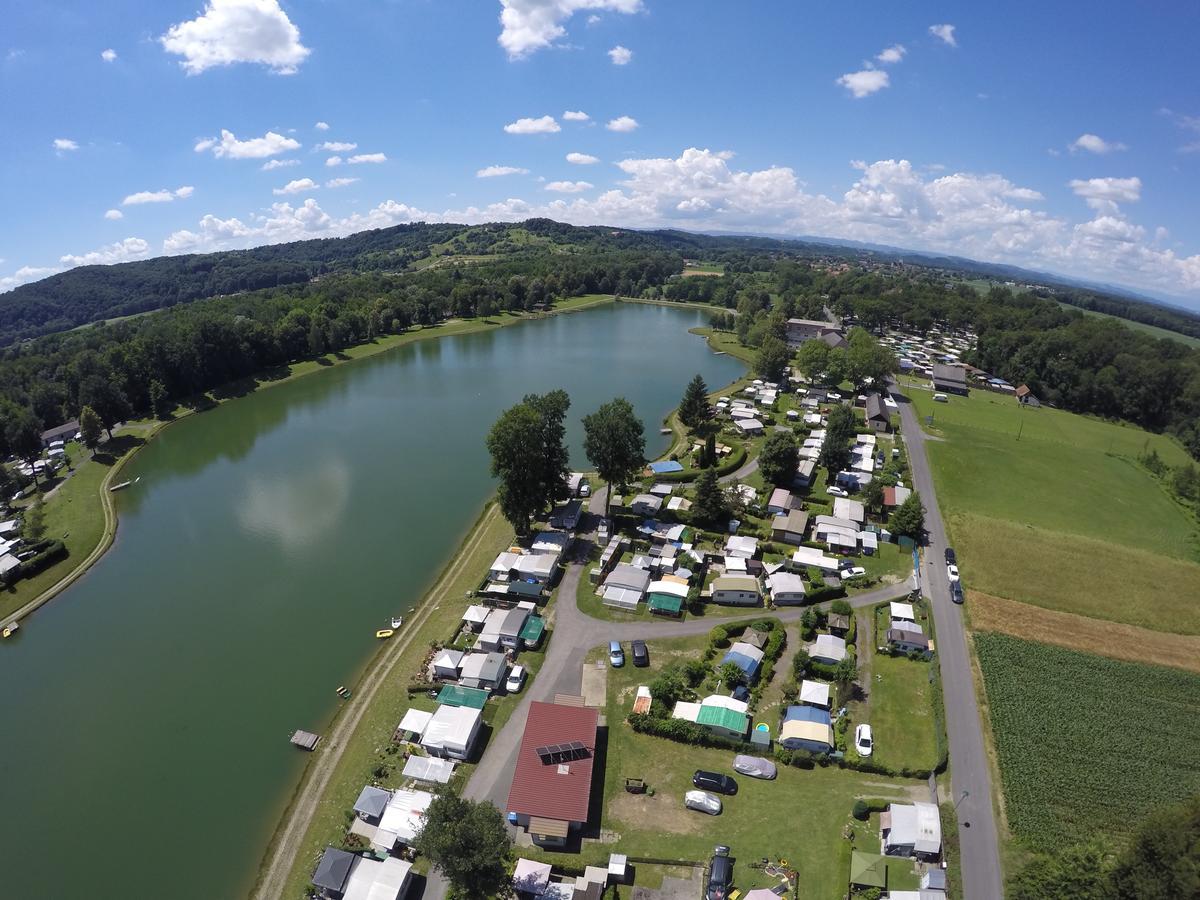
{"x":703,"y":801}
{"x":754,"y":766}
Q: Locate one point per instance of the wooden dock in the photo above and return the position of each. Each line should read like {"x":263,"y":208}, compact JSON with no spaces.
{"x":306,"y":740}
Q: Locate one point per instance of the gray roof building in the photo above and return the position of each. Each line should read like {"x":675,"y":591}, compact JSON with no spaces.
{"x":372,"y":802}
{"x":333,"y":870}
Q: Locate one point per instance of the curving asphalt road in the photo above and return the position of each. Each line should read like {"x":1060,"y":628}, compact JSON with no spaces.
{"x":970,"y":775}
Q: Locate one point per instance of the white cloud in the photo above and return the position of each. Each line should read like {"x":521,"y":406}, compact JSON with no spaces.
{"x":569,"y":187}
{"x":322,"y":126}
{"x":944,"y":33}
{"x":622,"y":123}
{"x":114,"y":214}
{"x":121,"y":251}
{"x":26,"y":274}
{"x":270,"y":144}
{"x":530,"y":25}
{"x":367,"y":158}
{"x":892,"y":54}
{"x":620,"y":56}
{"x":160,"y":196}
{"x":593,"y":19}
{"x":333,"y":161}
{"x":543,"y":125}
{"x":1186,"y":123}
{"x":575,"y":115}
{"x":272,"y":164}
{"x":237,"y":31}
{"x":497,"y":171}
{"x":337,"y":146}
{"x":108,"y":55}
{"x":297,"y":186}
{"x":65,"y":144}
{"x":864,"y":83}
{"x":1093,"y":143}
{"x":340,"y":182}
{"x":582,"y":159}
{"x":1103,"y":194}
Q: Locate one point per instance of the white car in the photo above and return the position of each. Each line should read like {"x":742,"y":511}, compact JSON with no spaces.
{"x":852,"y":572}
{"x":864,"y":741}
{"x":835,"y":491}
{"x":952,"y":572}
{"x":516,"y":679}
{"x":703,"y":801}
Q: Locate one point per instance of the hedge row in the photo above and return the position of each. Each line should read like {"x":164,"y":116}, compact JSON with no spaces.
{"x":731,"y":463}
{"x":802,"y":759}
{"x":681,"y":730}
{"x":48,"y":553}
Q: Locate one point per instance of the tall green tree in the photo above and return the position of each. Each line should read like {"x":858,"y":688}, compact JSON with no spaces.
{"x":23,"y":434}
{"x":510,"y":442}
{"x":908,"y":519}
{"x":549,"y":452}
{"x":90,"y":427}
{"x":1074,"y":872}
{"x":615,"y":444}
{"x":710,"y":451}
{"x":1163,"y":860}
{"x":872,"y":497}
{"x":709,"y":507}
{"x":812,"y":359}
{"x":693,"y":408}
{"x":108,"y":400}
{"x":468,"y":843}
{"x":33,"y":528}
{"x":772,"y":358}
{"x":157,"y":393}
{"x":779,"y":457}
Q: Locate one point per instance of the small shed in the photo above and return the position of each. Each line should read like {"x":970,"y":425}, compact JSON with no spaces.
{"x":371,"y":803}
{"x":333,"y":869}
{"x":868,"y":870}
{"x":446,"y":663}
{"x":414,"y":722}
{"x":429,"y":769}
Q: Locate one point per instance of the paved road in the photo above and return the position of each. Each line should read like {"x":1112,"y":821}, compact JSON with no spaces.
{"x":970,"y":776}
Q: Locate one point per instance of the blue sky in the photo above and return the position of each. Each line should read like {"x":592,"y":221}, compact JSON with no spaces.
{"x":1062,"y":137}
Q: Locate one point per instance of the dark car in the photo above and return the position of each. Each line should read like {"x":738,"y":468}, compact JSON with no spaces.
{"x":951,"y":559}
{"x":720,"y":876}
{"x":641,"y":656}
{"x":741,"y":692}
{"x":714,"y":781}
{"x":956,"y":591}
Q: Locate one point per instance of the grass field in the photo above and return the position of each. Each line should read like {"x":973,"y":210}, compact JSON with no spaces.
{"x":1152,"y":330}
{"x":1089,"y":635}
{"x":1087,"y":746}
{"x":817,"y":801}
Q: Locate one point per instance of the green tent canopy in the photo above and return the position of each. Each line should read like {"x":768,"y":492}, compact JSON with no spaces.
{"x":532,"y":630}
{"x":868,"y":870}
{"x":667,"y":604}
{"x":456,"y":695}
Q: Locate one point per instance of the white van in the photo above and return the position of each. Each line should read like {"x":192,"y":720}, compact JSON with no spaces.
{"x":941,"y":398}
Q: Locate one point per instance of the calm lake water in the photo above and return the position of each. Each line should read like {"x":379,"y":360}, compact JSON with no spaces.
{"x":145,"y":712}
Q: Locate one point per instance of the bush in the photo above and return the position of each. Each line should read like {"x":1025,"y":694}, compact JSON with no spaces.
{"x":681,"y":730}
{"x":49,"y":553}
{"x":860,"y":810}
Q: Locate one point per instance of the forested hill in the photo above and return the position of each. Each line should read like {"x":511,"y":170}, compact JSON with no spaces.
{"x":93,"y":293}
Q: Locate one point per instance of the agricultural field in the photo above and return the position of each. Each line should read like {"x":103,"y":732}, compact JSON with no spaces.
{"x":1087,"y":746}
{"x":1152,"y":330}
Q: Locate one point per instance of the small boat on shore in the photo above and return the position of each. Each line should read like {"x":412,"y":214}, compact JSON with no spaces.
{"x":384,"y":633}
{"x":397,"y":621}
{"x":343,"y":692}
{"x":9,"y":630}
{"x":124,"y":484}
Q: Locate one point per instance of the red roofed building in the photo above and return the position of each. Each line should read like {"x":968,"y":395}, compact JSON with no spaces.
{"x":552,"y":785}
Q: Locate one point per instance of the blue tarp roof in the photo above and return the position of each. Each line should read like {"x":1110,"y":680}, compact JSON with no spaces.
{"x":806,"y":714}
{"x":743,"y":662}
{"x":661,"y":468}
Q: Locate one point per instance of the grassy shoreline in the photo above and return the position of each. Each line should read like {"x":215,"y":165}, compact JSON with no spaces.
{"x":101,"y":519}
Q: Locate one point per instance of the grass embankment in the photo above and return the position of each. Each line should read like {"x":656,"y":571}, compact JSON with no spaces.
{"x":435,"y":619}
{"x":658,"y":826}
{"x":1152,"y":330}
{"x":79,"y":512}
{"x":1087,"y":746}
{"x":726,"y":342}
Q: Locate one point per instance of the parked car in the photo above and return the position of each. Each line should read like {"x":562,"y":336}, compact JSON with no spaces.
{"x":720,"y":875}
{"x":941,"y":398}
{"x":951,"y":558}
{"x":616,"y":656}
{"x":641,"y":656}
{"x":741,"y":692}
{"x":864,"y":741}
{"x":703,"y":801}
{"x":956,"y":591}
{"x":835,"y":491}
{"x":754,"y":766}
{"x":516,"y":679}
{"x":714,"y":781}
{"x":852,"y":572}
{"x":952,"y":572}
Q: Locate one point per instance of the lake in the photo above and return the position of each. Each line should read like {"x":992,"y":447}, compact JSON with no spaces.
{"x":145,"y":712}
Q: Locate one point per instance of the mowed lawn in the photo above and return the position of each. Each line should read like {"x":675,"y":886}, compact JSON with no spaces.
{"x":798,"y":817}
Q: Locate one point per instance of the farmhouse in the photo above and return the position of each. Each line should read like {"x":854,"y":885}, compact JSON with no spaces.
{"x":801,"y":330}
{"x":911,"y":829}
{"x":552,"y":784}
{"x":949,"y":379}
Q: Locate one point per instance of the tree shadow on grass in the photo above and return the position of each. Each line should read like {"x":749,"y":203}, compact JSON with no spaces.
{"x":113,"y":450}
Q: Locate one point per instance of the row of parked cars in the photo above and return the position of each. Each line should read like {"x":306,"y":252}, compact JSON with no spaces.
{"x":616,"y":654}
{"x":956,"y":589}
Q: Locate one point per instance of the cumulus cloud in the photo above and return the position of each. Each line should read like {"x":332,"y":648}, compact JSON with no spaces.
{"x":161,"y":196}
{"x":622,"y":123}
{"x":864,"y":83}
{"x":237,"y":31}
{"x":337,"y":146}
{"x":530,"y":25}
{"x":892,"y":54}
{"x":114,"y":214}
{"x":497,"y":171}
{"x":582,"y":159}
{"x":569,"y":187}
{"x":1093,"y":143}
{"x":322,"y":126}
{"x":272,"y":164}
{"x":333,"y":161}
{"x":121,"y":251}
{"x":108,"y":55}
{"x":340,"y":182}
{"x":26,"y":274}
{"x":1103,"y":194}
{"x":543,"y":125}
{"x":575,"y":115}
{"x":365,"y":158}
{"x":297,"y":186}
{"x":944,"y":33}
{"x":63,"y":145}
{"x":620,"y":56}
{"x":229,"y":147}
{"x":1185,"y":123}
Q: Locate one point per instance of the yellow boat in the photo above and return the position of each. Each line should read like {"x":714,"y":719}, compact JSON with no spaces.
{"x":9,"y":629}
{"x":385,"y":632}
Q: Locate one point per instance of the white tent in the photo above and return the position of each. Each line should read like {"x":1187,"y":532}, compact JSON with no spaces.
{"x":415,"y":720}
{"x":372,"y":880}
{"x":403,"y":818}
{"x":429,"y":768}
{"x":530,"y":876}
